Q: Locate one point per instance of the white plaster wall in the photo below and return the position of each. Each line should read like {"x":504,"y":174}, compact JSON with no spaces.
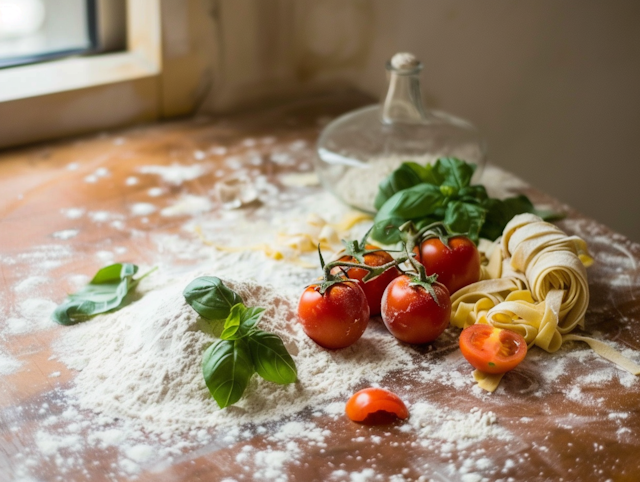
{"x":553,"y":85}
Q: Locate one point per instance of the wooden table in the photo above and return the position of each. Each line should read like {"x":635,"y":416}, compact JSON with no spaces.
{"x":585,"y":429}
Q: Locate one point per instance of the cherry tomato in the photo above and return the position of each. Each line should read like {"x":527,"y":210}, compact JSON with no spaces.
{"x":457,"y":265}
{"x":374,"y":406}
{"x":411,"y":314}
{"x":492,"y":350}
{"x":374,"y":288}
{"x":337,"y":318}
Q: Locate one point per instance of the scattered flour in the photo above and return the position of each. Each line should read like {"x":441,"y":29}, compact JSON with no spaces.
{"x":188,"y":204}
{"x":29,"y":316}
{"x":66,"y":234}
{"x":142,"y":209}
{"x":8,"y":364}
{"x":28,"y":284}
{"x":73,"y":213}
{"x":176,"y":173}
{"x":104,"y":216}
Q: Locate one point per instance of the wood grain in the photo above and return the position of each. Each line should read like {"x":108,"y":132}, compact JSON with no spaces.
{"x":559,"y":437}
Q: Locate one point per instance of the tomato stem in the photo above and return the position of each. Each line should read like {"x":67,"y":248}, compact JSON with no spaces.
{"x":421,"y":279}
{"x":330,"y":279}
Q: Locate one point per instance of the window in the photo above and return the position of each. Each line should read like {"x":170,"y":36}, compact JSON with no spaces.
{"x":65,"y":60}
{"x":39,"y":30}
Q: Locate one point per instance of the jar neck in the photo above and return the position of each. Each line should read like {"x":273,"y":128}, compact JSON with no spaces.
{"x":404,"y":100}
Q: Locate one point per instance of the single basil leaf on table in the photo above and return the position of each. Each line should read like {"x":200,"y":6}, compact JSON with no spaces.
{"x":241,"y":321}
{"x":227,"y":368}
{"x":105,"y":292}
{"x":501,"y":211}
{"x":454,"y":172}
{"x":210,"y":297}
{"x":271,"y":359}
{"x":465,"y":218}
{"x":403,"y":177}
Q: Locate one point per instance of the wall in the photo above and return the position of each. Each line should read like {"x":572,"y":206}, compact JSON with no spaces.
{"x":552,"y":85}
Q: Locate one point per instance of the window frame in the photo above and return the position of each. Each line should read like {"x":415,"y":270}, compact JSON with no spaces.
{"x":35,"y":98}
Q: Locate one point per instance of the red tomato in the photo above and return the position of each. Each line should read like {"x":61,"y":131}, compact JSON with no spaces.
{"x":411,"y":314}
{"x":492,"y":350}
{"x":374,"y":288}
{"x":336,"y":319}
{"x":456,"y":265}
{"x":375,"y":405}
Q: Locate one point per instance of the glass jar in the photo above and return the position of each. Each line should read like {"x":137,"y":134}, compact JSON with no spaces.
{"x":359,"y":149}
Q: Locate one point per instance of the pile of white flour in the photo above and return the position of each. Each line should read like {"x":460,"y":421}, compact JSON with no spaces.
{"x":144,"y":362}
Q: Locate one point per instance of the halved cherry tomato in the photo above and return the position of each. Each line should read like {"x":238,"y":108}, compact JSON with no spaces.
{"x":457,"y":265}
{"x":337,"y":318}
{"x":374,"y":406}
{"x":411,"y":314}
{"x":374,"y":288}
{"x":492,"y":350}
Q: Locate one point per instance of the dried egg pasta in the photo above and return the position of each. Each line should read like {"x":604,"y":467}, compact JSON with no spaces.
{"x":535,"y":283}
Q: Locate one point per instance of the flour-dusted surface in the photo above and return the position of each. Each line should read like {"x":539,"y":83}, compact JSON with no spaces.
{"x":157,"y":377}
{"x":140,"y":411}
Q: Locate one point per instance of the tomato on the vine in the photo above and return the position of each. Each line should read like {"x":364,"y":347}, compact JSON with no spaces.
{"x":374,"y":288}
{"x":336,"y":318}
{"x":374,"y":406}
{"x":492,"y":350}
{"x":412,"y":313}
{"x":456,"y":264}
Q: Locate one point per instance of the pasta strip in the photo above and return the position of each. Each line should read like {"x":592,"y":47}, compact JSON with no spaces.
{"x":605,"y":351}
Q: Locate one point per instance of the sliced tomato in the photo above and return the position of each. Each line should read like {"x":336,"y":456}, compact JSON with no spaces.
{"x":492,"y":350}
{"x":374,"y":406}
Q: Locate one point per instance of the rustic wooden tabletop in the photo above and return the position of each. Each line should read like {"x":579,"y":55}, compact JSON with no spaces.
{"x":71,"y":207}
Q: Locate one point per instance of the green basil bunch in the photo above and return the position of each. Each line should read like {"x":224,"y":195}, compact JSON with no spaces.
{"x":441,"y":192}
{"x":243,"y":349}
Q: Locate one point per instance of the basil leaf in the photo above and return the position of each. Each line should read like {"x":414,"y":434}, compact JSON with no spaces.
{"x":386,"y":231}
{"x":210,"y":297}
{"x":473,"y":194}
{"x":500,"y":212}
{"x":241,"y":321}
{"x":227,"y":369}
{"x":271,"y":359}
{"x":415,"y":202}
{"x":465,"y":218}
{"x":423,"y":172}
{"x":429,"y":175}
{"x":454,"y":172}
{"x":105,"y":292}
{"x":405,"y":176}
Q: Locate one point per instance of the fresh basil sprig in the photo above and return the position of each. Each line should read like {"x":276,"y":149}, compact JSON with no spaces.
{"x":105,"y":292}
{"x":243,"y":349}
{"x":442,"y":192}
